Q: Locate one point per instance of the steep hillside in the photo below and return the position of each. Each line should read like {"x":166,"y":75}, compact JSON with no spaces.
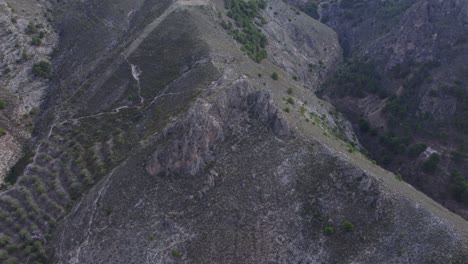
{"x":162,"y":140}
{"x":26,"y":39}
{"x":404,"y":86}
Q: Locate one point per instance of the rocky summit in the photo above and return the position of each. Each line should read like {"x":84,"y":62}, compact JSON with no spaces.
{"x":236,"y":131}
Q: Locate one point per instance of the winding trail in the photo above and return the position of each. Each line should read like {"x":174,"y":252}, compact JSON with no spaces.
{"x":134,"y":68}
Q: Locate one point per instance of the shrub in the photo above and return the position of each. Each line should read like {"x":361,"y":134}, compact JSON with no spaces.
{"x":36,"y":41}
{"x":3,"y":255}
{"x":398,"y":177}
{"x":108,"y":211}
{"x":2,"y":132}
{"x":275,"y":76}
{"x":2,"y":104}
{"x":348,"y":226}
{"x":152,"y":237}
{"x":12,"y":260}
{"x":290,"y":101}
{"x":42,"y":34}
{"x":395,"y":144}
{"x":459,"y":187}
{"x":416,"y":149}
{"x":329,"y":230}
{"x":176,"y":253}
{"x":287,"y":110}
{"x":302,"y":110}
{"x":31,"y":29}
{"x":25,"y":56}
{"x":430,"y":165}
{"x":11,"y":248}
{"x":42,"y":69}
{"x":4,"y":239}
{"x":290,"y":90}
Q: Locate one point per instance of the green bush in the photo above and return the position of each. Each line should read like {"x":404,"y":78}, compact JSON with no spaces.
{"x":12,"y":260}
{"x":459,"y":187}
{"x":348,"y":226}
{"x":398,"y":177}
{"x":2,"y":104}
{"x":2,"y":132}
{"x":42,"y":69}
{"x":430,"y":165}
{"x":176,"y":253}
{"x":290,"y":101}
{"x":394,"y":144}
{"x":4,"y":239}
{"x":329,"y":230}
{"x":25,"y":56}
{"x":3,"y":255}
{"x":31,"y":29}
{"x":152,"y":237}
{"x":107,"y":211}
{"x":275,"y":76}
{"x":36,"y":41}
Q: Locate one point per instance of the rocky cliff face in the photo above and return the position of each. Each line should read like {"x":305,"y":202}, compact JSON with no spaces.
{"x":161,"y":141}
{"x":413,"y":92}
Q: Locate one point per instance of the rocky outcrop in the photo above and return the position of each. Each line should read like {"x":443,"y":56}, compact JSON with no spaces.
{"x":258,"y":196}
{"x":192,"y":141}
{"x":305,"y":48}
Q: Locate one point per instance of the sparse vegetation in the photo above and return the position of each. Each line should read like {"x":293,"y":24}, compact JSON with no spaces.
{"x":355,"y":78}
{"x":275,"y":76}
{"x":176,"y":253}
{"x":247,"y":18}
{"x":152,"y":237}
{"x":459,"y":187}
{"x":2,"y":132}
{"x":107,"y":211}
{"x":348,"y":226}
{"x":430,"y":165}
{"x":2,"y":105}
{"x":12,"y":260}
{"x":31,"y":29}
{"x":25,"y":56}
{"x":398,"y":177}
{"x":36,"y":41}
{"x":416,"y":149}
{"x":329,"y":230}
